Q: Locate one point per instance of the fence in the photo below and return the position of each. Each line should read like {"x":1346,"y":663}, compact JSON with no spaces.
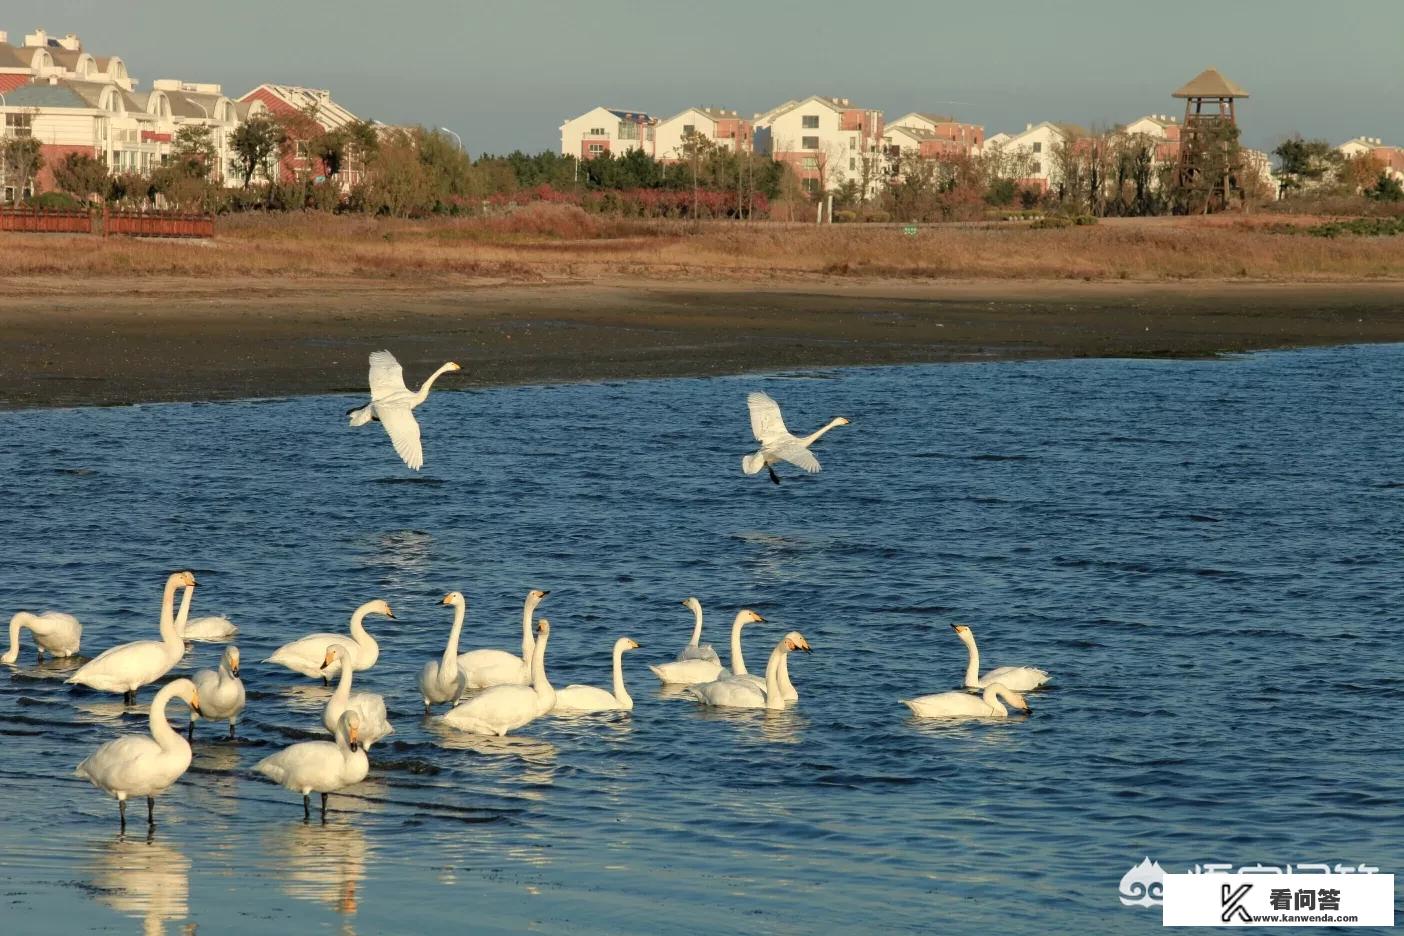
{"x":157,"y":223}
{"x":46,"y":220}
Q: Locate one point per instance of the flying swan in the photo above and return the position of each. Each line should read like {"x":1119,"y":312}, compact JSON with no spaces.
{"x":143,"y":765}
{"x":1018,"y":678}
{"x":309,"y":654}
{"x":580,"y":700}
{"x":221,"y":692}
{"x":487,"y":668}
{"x":392,"y":404}
{"x":739,"y":693}
{"x":320,"y":766}
{"x":443,"y":680}
{"x":965,"y":705}
{"x":368,"y":706}
{"x":54,"y":632}
{"x":503,"y":709}
{"x":127,"y":667}
{"x":777,"y":444}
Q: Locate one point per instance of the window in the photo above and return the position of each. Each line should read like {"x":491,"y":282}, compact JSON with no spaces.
{"x":1038,"y":147}
{"x":628,"y":130}
{"x":852,"y":143}
{"x":852,"y":163}
{"x":1037,"y":167}
{"x":595,"y":149}
{"x":649,"y":135}
{"x":811,"y":162}
{"x":689,"y":128}
{"x":809,"y":143}
{"x":20,"y":125}
{"x":302,"y":149}
{"x":810,"y":122}
{"x":811,"y":185}
{"x":596,"y":131}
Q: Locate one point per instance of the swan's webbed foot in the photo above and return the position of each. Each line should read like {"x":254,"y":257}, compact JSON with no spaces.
{"x":774,"y":478}
{"x":151,"y":811}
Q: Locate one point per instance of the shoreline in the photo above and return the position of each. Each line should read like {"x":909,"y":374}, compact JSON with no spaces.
{"x":124,"y":340}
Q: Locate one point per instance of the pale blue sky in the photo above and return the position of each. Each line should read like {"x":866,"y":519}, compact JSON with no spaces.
{"x":506,"y":75}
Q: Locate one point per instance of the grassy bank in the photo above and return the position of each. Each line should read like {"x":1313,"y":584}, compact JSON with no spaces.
{"x":553,"y":243}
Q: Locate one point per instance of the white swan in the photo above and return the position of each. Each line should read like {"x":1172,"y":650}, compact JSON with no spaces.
{"x":443,"y":680}
{"x":1018,"y":678}
{"x":777,"y":444}
{"x":144,"y":765}
{"x":502,"y":709}
{"x":369,"y":706}
{"x":695,"y":650}
{"x":486,"y":668}
{"x":965,"y":705}
{"x":740,"y":693}
{"x":320,"y":766}
{"x":584,"y":699}
{"x":214,"y":627}
{"x":691,"y":672}
{"x":221,"y":692}
{"x":782,"y":676}
{"x":54,"y":632}
{"x":307,"y":655}
{"x":127,"y":667}
{"x":392,"y":404}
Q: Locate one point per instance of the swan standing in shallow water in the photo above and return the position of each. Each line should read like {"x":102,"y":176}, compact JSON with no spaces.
{"x":442,"y":680}
{"x":214,"y":627}
{"x":55,"y":633}
{"x":695,"y":650}
{"x":144,"y":765}
{"x":1018,"y":678}
{"x":740,"y":693}
{"x":487,"y":668}
{"x":320,"y":766}
{"x":393,"y":404}
{"x":307,"y":655}
{"x":127,"y":667}
{"x":777,"y":444}
{"x":691,"y":672}
{"x":368,"y":706}
{"x":502,"y":709}
{"x":965,"y":705}
{"x":221,"y":692}
{"x":579,"y":700}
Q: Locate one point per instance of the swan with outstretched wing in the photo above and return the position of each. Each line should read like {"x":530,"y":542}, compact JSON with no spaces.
{"x":392,"y":405}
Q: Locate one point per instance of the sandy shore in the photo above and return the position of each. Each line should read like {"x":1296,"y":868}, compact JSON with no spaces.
{"x":143,"y":339}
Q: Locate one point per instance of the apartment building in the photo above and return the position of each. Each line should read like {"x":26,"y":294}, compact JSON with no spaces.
{"x":1390,"y":158}
{"x":603,"y":130}
{"x":826,"y":140}
{"x":723,"y":128}
{"x":942,"y":135}
{"x":1034,"y":148}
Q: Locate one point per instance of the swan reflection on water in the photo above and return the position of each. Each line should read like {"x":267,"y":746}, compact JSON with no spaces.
{"x":774,"y":727}
{"x":149,"y":880}
{"x":322,"y":863}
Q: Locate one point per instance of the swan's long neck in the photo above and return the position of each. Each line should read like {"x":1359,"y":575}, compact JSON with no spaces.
{"x":425,"y":387}
{"x":183,"y":614}
{"x":972,"y":665}
{"x":621,"y":695}
{"x":813,"y":437}
{"x":545,"y":693}
{"x":449,"y":666}
{"x":697,"y":624}
{"x":342,"y":695}
{"x":528,"y":641}
{"x":773,"y":698}
{"x":161,"y":729}
{"x":991,"y":698}
{"x":170,"y":636}
{"x":364,"y":641}
{"x":787,"y":688}
{"x":738,"y":662}
{"x":17,"y":622}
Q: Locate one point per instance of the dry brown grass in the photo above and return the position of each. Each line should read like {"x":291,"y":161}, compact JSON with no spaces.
{"x":558,"y":242}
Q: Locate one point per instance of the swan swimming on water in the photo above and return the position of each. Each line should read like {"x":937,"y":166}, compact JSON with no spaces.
{"x":214,"y":627}
{"x":127,"y":667}
{"x":695,"y":650}
{"x":320,"y":766}
{"x":144,"y":765}
{"x":691,"y":672}
{"x":1018,"y":678}
{"x":443,"y":680}
{"x":308,"y":655}
{"x":393,"y":404}
{"x":965,"y":705}
{"x":730,"y":692}
{"x":777,"y":444}
{"x":488,"y":667}
{"x":368,"y":706}
{"x":55,"y":633}
{"x":221,"y":692}
{"x":503,"y":709}
{"x":577,"y":700}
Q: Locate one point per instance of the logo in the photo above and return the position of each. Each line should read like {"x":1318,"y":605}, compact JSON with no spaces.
{"x":1232,"y":900}
{"x":1143,"y":885}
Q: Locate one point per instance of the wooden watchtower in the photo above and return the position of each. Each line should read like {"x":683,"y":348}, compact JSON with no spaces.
{"x":1209,"y":109}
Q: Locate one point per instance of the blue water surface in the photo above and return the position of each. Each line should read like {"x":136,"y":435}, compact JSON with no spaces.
{"x":1205,"y":554}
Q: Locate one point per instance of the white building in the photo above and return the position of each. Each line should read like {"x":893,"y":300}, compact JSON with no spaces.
{"x":826,"y":140}
{"x":723,"y":128}
{"x":1037,"y":145}
{"x":608,"y":130}
{"x":1391,"y":158}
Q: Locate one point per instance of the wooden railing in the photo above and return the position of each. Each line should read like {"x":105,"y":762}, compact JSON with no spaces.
{"x":46,"y":220}
{"x":157,"y":223}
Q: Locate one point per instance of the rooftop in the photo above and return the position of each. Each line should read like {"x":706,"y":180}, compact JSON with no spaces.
{"x":1210,"y":84}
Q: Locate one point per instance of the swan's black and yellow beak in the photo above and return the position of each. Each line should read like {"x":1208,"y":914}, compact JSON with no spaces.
{"x":234,"y":671}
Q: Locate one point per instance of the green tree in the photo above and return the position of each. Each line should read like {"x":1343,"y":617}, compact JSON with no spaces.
{"x":1305,"y":163}
{"x":1386,"y":188}
{"x":193,"y":151}
{"x":21,"y":158}
{"x":82,"y":176}
{"x":257,"y":142}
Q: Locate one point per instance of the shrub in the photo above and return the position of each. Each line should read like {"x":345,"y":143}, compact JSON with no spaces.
{"x":52,"y":200}
{"x":1360,"y":227}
